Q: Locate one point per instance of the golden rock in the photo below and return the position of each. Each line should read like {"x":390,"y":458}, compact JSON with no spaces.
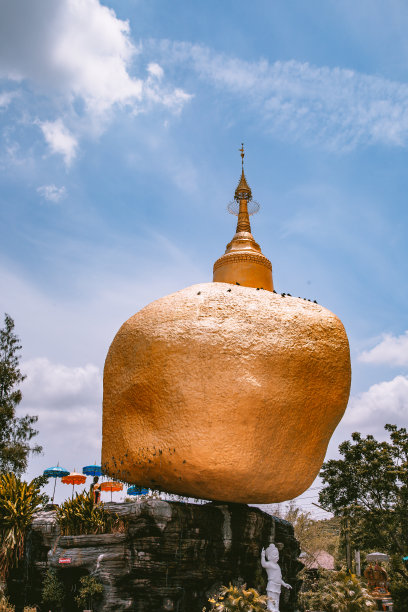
{"x":224,"y":392}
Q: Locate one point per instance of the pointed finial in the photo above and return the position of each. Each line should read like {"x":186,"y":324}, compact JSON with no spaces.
{"x":242,"y":154}
{"x":243,"y":191}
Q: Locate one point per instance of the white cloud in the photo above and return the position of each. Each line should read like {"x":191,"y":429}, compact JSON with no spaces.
{"x":6,"y":97}
{"x":78,"y":51}
{"x":59,"y":139}
{"x":52,"y":193}
{"x":155,"y":70}
{"x":67,"y":401}
{"x":392,"y":350}
{"x":332,"y":107}
{"x":54,"y":387}
{"x":384,"y":402}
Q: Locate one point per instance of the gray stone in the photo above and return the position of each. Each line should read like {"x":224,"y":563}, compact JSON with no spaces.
{"x":172,"y":555}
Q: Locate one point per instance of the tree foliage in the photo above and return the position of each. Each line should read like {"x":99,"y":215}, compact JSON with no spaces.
{"x":53,"y":592}
{"x":18,"y":502}
{"x":90,"y":590}
{"x":314,"y":536}
{"x":337,"y":592}
{"x":81,"y":515}
{"x":368,"y":488}
{"x":16,"y":433}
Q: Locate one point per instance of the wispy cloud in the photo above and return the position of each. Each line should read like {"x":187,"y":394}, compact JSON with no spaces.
{"x":52,"y":193}
{"x":392,"y":350}
{"x":59,"y":139}
{"x":79,"y":55}
{"x":6,"y":98}
{"x":336,"y":108}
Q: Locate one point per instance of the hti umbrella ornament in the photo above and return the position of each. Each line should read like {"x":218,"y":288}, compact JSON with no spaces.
{"x":111,"y":485}
{"x":55,"y":472}
{"x":74,"y":478}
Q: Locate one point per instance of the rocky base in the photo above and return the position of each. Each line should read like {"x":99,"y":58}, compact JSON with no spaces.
{"x":172,"y":556}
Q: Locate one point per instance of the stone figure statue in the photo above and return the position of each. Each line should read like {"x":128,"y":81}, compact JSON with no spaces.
{"x":269,"y":560}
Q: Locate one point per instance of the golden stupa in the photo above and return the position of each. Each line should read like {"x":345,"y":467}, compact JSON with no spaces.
{"x":243,"y":262}
{"x":226,"y":390}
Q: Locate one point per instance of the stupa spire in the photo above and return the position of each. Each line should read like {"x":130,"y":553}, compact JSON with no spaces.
{"x":243,"y":262}
{"x":243,"y":195}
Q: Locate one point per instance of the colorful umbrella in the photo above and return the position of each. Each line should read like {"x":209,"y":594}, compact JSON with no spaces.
{"x":111,"y":485}
{"x":55,"y":472}
{"x":134,"y":490}
{"x":74,"y":478}
{"x":92,"y":470}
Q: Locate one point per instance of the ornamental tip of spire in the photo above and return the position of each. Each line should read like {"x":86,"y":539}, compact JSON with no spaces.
{"x":243,"y":190}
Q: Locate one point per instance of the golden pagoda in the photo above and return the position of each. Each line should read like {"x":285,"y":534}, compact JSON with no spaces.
{"x":221,"y":391}
{"x":243,"y":262}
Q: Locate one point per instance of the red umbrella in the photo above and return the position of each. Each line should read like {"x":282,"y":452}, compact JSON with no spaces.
{"x":111,"y":485}
{"x":73,"y":478}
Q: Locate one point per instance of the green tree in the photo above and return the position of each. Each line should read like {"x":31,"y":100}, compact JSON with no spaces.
{"x":368,"y":488}
{"x":313,"y":535}
{"x":90,"y":590}
{"x":18,"y":502}
{"x":53,"y":593}
{"x":16,"y":433}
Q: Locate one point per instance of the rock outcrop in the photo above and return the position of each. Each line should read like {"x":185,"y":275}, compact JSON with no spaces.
{"x":171,"y":555}
{"x":224,"y":392}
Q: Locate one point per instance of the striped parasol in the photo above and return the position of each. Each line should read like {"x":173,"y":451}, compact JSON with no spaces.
{"x":74,"y":478}
{"x":55,"y":472}
{"x":111,"y":485}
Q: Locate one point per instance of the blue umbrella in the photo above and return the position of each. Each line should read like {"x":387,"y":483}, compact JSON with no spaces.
{"x":55,"y":472}
{"x":92,"y":470}
{"x":134,"y":490}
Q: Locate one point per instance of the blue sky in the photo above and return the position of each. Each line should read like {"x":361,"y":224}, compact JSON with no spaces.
{"x":120,"y":125}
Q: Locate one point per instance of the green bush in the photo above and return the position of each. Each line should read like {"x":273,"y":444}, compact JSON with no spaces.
{"x":90,"y":590}
{"x":18,"y":502}
{"x":53,"y":590}
{"x":81,"y":515}
{"x":238,"y":598}
{"x":337,"y":592}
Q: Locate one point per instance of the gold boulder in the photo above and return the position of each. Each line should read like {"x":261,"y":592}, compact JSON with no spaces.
{"x":224,"y":392}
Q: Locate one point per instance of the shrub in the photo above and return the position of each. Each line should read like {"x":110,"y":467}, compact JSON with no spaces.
{"x":18,"y":502}
{"x":81,"y":515}
{"x":337,"y":592}
{"x":53,"y":590}
{"x":238,"y":598}
{"x":5,"y":606}
{"x":90,"y":589}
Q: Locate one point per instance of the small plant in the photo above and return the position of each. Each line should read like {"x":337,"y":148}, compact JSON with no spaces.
{"x":53,"y":590}
{"x":81,"y":516}
{"x":18,"y":502}
{"x":5,"y":606}
{"x":238,"y":598}
{"x":90,"y":589}
{"x":337,"y":592}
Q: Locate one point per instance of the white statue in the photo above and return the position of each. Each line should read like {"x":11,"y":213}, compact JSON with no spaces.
{"x":269,"y":560}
